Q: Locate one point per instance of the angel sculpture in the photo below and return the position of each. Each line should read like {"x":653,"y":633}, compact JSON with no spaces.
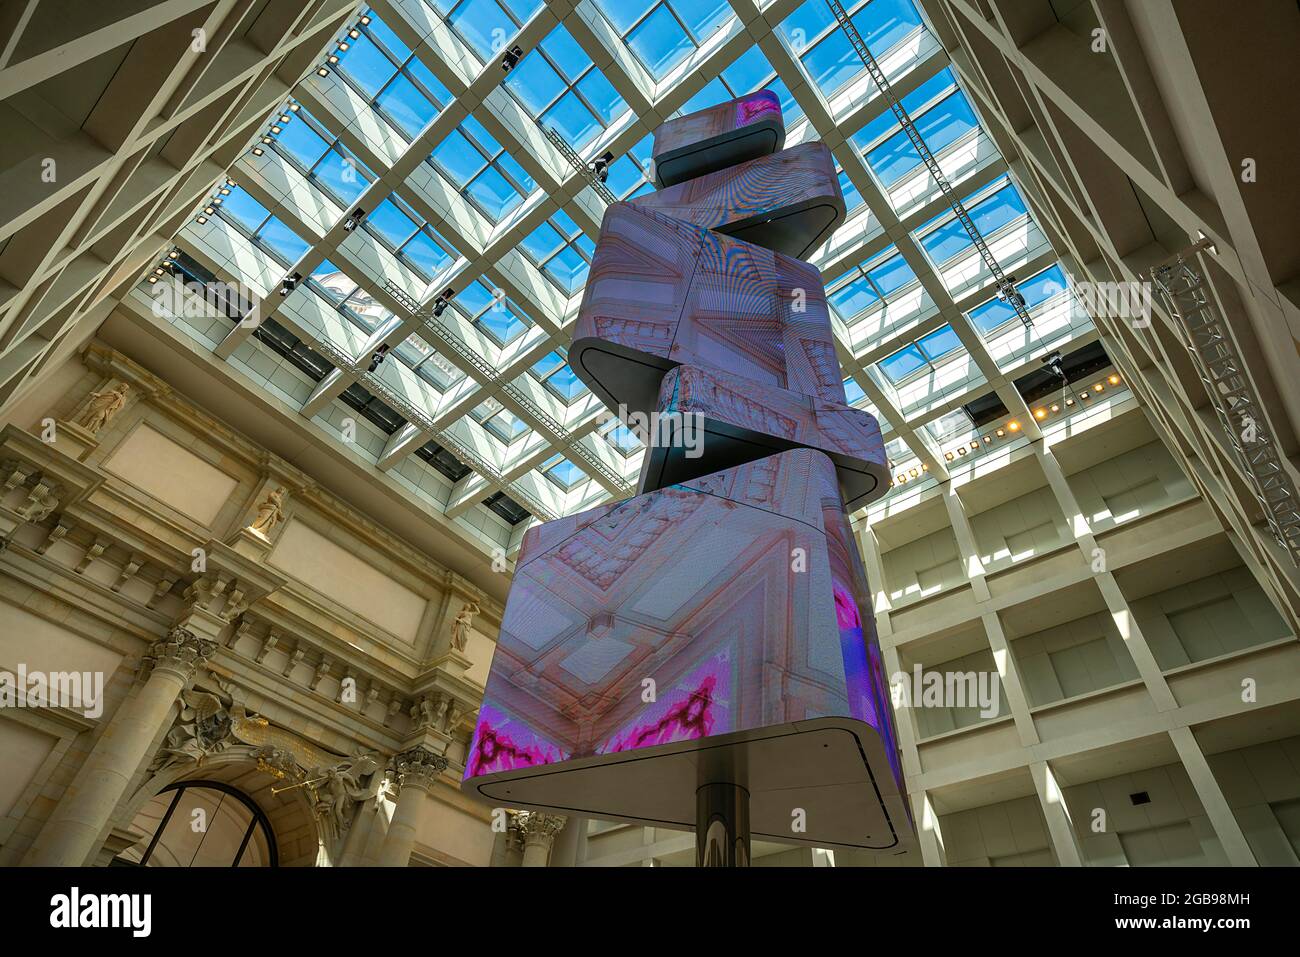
{"x":337,"y":787}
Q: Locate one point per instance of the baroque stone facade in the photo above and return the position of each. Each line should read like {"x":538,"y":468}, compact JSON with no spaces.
{"x":227,"y":657}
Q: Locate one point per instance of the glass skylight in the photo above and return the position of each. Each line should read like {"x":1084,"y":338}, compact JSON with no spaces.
{"x":941,"y":115}
{"x":499,"y":420}
{"x":563,"y":472}
{"x":425,"y":361}
{"x":490,"y":348}
{"x":664,"y":34}
{"x":480,"y":168}
{"x":488,"y":26}
{"x":1001,"y":204}
{"x":383,"y":70}
{"x":561,"y":89}
{"x":869,"y":284}
{"x":562,"y":251}
{"x":266,"y":231}
{"x":317,"y":153}
{"x":921,"y":354}
{"x":414,"y":241}
{"x":353,"y":300}
{"x":1037,"y":289}
{"x":553,"y":371}
{"x":825,"y":51}
{"x":492,"y":311}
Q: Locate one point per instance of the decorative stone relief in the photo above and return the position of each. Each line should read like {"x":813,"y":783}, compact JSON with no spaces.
{"x":418,"y":767}
{"x":208,"y":723}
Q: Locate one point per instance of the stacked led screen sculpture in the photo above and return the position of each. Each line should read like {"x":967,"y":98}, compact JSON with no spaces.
{"x":703,"y":654}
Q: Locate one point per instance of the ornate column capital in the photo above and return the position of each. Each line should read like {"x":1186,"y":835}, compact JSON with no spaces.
{"x":417,"y":767}
{"x":181,"y":652}
{"x":537,"y":827}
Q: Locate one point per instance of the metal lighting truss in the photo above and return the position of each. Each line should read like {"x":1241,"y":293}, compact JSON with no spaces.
{"x":492,"y":377}
{"x":583,"y":169}
{"x":1222,"y":370}
{"x":1006,"y":289}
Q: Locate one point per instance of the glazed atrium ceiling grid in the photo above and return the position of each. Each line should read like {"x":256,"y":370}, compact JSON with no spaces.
{"x":410,"y":162}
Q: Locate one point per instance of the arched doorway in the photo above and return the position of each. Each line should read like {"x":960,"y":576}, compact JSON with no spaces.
{"x":201,"y":823}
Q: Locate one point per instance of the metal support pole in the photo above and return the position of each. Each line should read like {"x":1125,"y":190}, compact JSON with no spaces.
{"x":721,"y":826}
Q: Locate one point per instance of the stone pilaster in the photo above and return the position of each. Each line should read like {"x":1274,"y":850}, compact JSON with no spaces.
{"x":413,"y":772}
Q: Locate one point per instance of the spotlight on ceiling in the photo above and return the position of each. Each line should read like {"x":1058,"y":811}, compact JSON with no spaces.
{"x":380,"y":354}
{"x":600,"y":166}
{"x":1054,"y":361}
{"x":354,"y":220}
{"x":440,"y":303}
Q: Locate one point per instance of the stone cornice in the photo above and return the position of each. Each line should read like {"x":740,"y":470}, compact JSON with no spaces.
{"x":160,"y":395}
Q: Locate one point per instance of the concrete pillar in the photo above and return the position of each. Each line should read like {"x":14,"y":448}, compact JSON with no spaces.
{"x":571,"y":844}
{"x":415,"y":770}
{"x":538,"y":831}
{"x":904,"y":712}
{"x":965,"y":536}
{"x":1059,"y":826}
{"x":869,"y":549}
{"x":927,"y":829}
{"x":1211,"y":796}
{"x":1009,"y":674}
{"x":1116,"y":604}
{"x":71,"y":836}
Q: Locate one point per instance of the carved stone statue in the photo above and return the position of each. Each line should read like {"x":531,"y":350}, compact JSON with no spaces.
{"x":337,"y":787}
{"x":41,"y":501}
{"x":270,"y":512}
{"x":103,"y":406}
{"x":206,"y":725}
{"x":460,"y":626}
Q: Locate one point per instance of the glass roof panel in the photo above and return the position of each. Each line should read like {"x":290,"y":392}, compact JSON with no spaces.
{"x":500,"y":337}
{"x":660,"y":41}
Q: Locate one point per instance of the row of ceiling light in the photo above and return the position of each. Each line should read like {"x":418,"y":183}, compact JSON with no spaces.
{"x":344,"y":44}
{"x":1010,"y":430}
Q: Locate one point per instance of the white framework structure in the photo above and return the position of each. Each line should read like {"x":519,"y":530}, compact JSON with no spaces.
{"x":1079,"y":528}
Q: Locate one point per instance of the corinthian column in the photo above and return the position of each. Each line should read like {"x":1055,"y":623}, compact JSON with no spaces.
{"x":414,"y":772}
{"x":72,"y":832}
{"x":538,"y":831}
